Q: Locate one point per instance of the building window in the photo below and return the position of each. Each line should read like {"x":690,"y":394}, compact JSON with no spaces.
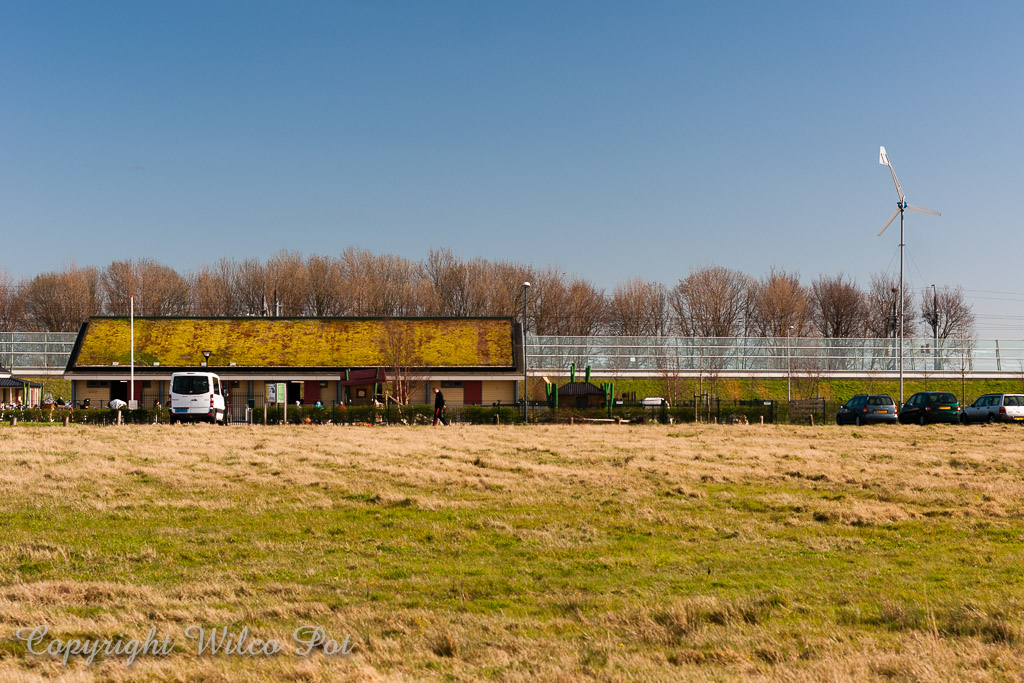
{"x":96,"y":384}
{"x":234,"y":384}
{"x":451,"y":385}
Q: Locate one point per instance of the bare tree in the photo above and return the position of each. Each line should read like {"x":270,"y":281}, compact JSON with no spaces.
{"x":385,"y":285}
{"x":638,"y":308}
{"x":399,"y":350}
{"x":548,"y":301}
{"x":158,"y":289}
{"x":505,"y":288}
{"x":838,"y":307}
{"x":450,"y":292}
{"x":60,"y":301}
{"x":881,"y":312}
{"x":286,"y":273}
{"x":947,"y":312}
{"x":710,"y":302}
{"x":10,"y":303}
{"x":213,"y":292}
{"x":249,"y":280}
{"x":325,"y":293}
{"x":782,"y":306}
{"x":586,"y":308}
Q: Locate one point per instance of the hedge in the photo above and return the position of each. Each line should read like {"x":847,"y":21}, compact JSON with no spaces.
{"x":89,"y":416}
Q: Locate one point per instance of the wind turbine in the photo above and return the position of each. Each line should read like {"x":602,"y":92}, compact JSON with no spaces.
{"x":901,"y":206}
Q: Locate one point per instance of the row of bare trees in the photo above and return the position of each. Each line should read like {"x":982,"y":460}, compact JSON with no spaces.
{"x":711,"y":301}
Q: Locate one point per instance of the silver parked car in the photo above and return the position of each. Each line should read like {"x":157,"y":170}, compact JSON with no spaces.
{"x":865,"y":408}
{"x":995,"y":408}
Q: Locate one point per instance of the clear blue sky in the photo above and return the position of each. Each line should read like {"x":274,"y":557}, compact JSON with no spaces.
{"x":613,"y":138}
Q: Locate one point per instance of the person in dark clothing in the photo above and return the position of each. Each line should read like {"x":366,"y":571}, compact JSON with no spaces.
{"x":439,"y":407}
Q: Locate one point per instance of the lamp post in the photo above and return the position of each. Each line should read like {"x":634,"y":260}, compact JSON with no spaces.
{"x":206,"y":355}
{"x":935,"y":328}
{"x":789,"y":364}
{"x":131,"y":379}
{"x":526,"y":393}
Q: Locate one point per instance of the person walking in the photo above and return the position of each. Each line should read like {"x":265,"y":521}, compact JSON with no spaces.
{"x":439,"y":407}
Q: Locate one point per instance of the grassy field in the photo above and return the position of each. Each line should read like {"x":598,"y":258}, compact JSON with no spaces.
{"x":511,"y":553}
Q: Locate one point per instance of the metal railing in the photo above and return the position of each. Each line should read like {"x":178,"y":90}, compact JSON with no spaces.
{"x":36,"y":353}
{"x":46,"y":353}
{"x":772,"y":356}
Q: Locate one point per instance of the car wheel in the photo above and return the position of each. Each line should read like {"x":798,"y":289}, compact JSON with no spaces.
{"x":964,"y":420}
{"x":991,"y":418}
{"x":857,"y":421}
{"x":921,"y":421}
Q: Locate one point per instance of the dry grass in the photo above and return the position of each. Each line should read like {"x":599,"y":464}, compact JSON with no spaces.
{"x":544,"y":553}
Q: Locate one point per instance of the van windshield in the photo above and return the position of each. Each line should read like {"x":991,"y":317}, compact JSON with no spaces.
{"x":190,"y":385}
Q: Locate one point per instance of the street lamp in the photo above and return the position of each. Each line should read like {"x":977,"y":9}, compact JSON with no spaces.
{"x":789,"y":365}
{"x":526,"y":393}
{"x":206,"y":355}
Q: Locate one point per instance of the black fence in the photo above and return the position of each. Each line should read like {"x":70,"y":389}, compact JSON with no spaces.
{"x":699,"y":409}
{"x":807,"y":411}
{"x":243,"y":410}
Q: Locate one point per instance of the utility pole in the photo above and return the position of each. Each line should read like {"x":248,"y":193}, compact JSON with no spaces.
{"x":894,"y":318}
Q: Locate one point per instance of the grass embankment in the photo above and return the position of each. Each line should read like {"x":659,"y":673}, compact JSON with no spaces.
{"x":833,"y":390}
{"x":552,"y":553}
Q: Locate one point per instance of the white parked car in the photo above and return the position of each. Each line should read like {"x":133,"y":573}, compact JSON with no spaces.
{"x":995,"y":408}
{"x":197,"y":397}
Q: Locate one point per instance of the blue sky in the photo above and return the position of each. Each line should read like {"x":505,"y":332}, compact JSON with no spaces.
{"x":612,"y":138}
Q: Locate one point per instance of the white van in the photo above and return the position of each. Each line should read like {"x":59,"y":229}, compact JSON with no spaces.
{"x":654,"y":402}
{"x":196,"y":396}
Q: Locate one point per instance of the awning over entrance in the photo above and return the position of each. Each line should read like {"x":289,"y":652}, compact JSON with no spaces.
{"x":363,"y":376}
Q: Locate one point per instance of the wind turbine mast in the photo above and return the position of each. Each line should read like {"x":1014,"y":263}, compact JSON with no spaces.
{"x":901,"y":206}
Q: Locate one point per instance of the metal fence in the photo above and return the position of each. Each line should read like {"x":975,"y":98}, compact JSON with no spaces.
{"x":37,"y":353}
{"x":239,"y":406}
{"x":773,"y":356}
{"x":46,"y":353}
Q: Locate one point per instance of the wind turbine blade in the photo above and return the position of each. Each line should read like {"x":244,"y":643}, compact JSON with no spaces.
{"x":883,"y":158}
{"x":891,"y":219}
{"x":899,"y":190}
{"x":920,"y":210}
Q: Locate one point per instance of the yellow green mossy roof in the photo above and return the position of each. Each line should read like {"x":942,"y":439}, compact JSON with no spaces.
{"x":297,"y":342}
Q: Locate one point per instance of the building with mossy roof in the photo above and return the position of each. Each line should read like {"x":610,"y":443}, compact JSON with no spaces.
{"x":476,"y":361}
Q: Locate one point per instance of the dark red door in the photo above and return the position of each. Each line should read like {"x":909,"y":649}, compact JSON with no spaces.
{"x":311,"y":393}
{"x":472,"y":393}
